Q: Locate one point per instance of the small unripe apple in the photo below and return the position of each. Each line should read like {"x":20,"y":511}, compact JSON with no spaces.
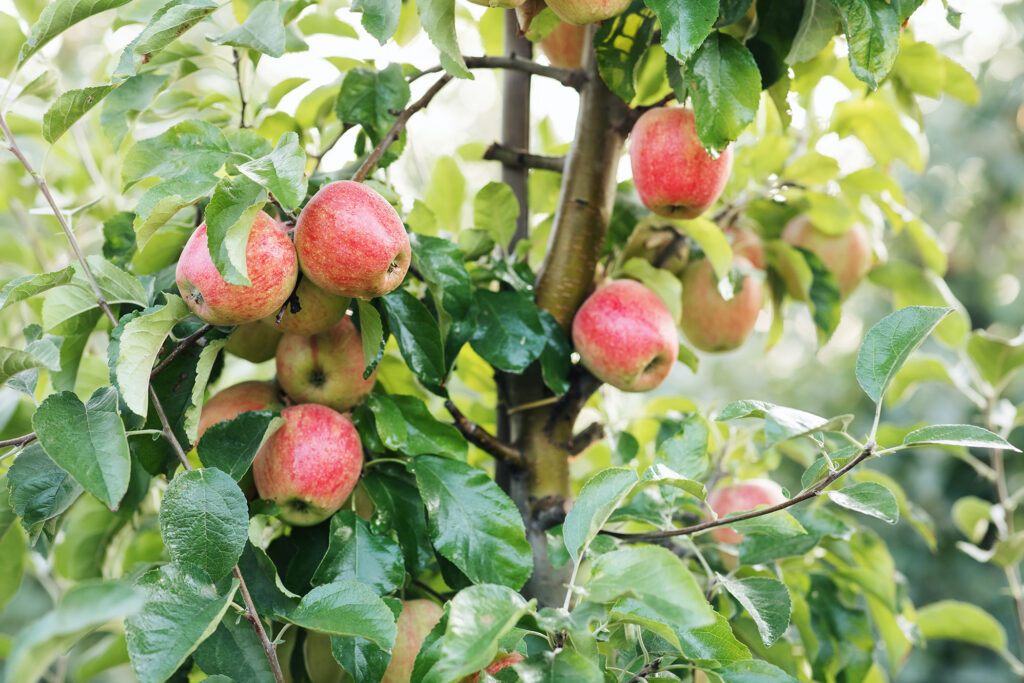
{"x":255,"y":342}
{"x":418,"y":617}
{"x":626,"y":336}
{"x":740,"y":497}
{"x":318,"y":311}
{"x":501,"y":661}
{"x":229,"y":403}
{"x":310,"y":465}
{"x":673,"y":174}
{"x":564,"y":45}
{"x":501,"y":4}
{"x":709,"y":321}
{"x":351,"y":242}
{"x":325,"y":368}
{"x":746,"y":243}
{"x":848,"y":256}
{"x":272,"y":269}
{"x":587,"y":11}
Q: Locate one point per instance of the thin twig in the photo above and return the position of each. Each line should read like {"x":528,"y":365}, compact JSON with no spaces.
{"x":517,"y":158}
{"x":399,"y":125}
{"x":653,"y":666}
{"x":572,"y":78}
{"x":329,"y":146}
{"x":250,"y":613}
{"x":241,"y":93}
{"x":179,"y":348}
{"x":19,"y":441}
{"x":479,"y":436}
{"x":725,"y":521}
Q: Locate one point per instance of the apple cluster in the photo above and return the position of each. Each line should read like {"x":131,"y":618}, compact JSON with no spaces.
{"x":348,"y":243}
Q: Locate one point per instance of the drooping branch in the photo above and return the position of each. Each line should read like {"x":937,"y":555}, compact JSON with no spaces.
{"x":399,"y":125}
{"x":19,"y":440}
{"x":866,"y":453}
{"x":180,"y":348}
{"x":483,"y":439}
{"x":572,"y":78}
{"x":517,"y":158}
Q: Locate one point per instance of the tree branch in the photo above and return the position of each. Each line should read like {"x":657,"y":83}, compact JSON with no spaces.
{"x":483,"y":439}
{"x":345,"y":127}
{"x":250,"y":613}
{"x":179,"y":348}
{"x":238,"y":80}
{"x":725,"y":521}
{"x":516,"y":158}
{"x":19,"y":440}
{"x":572,"y":78}
{"x":399,"y":125}
{"x":515,"y":124}
{"x":585,"y":439}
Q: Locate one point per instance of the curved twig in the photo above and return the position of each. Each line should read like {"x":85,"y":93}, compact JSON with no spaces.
{"x":519,"y":159}
{"x":19,"y":440}
{"x":179,"y":348}
{"x":572,"y":78}
{"x":486,"y":441}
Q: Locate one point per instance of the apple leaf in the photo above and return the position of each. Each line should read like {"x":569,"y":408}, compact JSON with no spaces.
{"x":564,"y":665}
{"x":356,"y":552}
{"x":39,"y":488}
{"x":123,"y":106}
{"x":346,"y":608}
{"x":57,"y":17}
{"x":868,"y":498}
{"x":761,"y":548}
{"x":371,"y":332}
{"x":418,"y":336}
{"x":380,"y":17}
{"x":726,"y":89}
{"x":507,"y":332}
{"x":192,"y":146}
{"x":232,"y":445}
{"x":890,"y":342}
{"x":957,"y":435}
{"x":995,"y":358}
{"x":69,"y":107}
{"x":952,"y":620}
{"x":555,"y":359}
{"x":207,"y":357}
{"x":620,"y":43}
{"x":372,"y":99}
{"x":14,"y":361}
{"x":263,"y":31}
{"x":438,"y":19}
{"x":752,"y":670}
{"x":685,"y":24}
{"x":283,"y":171}
{"x":398,"y":508}
{"x":229,"y":218}
{"x":442,"y":266}
{"x":872,"y":31}
{"x":168,"y":24}
{"x":766,"y":600}
{"x":406,"y":424}
{"x":26,"y":286}
{"x":598,"y":498}
{"x":234,"y":650}
{"x":495,"y":210}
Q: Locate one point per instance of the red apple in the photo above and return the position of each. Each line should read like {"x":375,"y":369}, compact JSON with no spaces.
{"x":325,"y":368}
{"x":740,"y":497}
{"x":673,"y":174}
{"x":229,"y":403}
{"x":564,"y":45}
{"x":746,"y":243}
{"x":848,"y":256}
{"x":351,"y":242}
{"x":709,"y":321}
{"x":310,"y":465}
{"x":271,"y":264}
{"x":587,"y":11}
{"x":501,"y":660}
{"x":626,"y":336}
{"x":418,"y":617}
{"x":255,"y":342}
{"x":318,"y":311}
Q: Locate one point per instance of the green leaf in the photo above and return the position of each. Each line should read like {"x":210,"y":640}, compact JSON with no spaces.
{"x":190,"y":147}
{"x":13,"y":361}
{"x":119,"y":244}
{"x":657,"y":579}
{"x":477,"y":619}
{"x":472,"y":522}
{"x":746,"y":408}
{"x":868,"y":498}
{"x":564,"y":666}
{"x":996,"y":358}
{"x":88,"y":441}
{"x":231,"y":445}
{"x":507,"y":331}
{"x":620,"y":43}
{"x":685,"y":24}
{"x":81,"y":609}
{"x":752,"y":671}
{"x":356,"y":552}
{"x":371,"y":334}
{"x":781,"y":424}
{"x":418,"y":336}
{"x":872,"y":29}
{"x":57,"y":17}
{"x":598,"y":498}
{"x":204,"y":366}
{"x":283,"y":171}
{"x":495,"y":210}
{"x":380,"y":17}
{"x":952,"y":620}
{"x":818,"y":24}
{"x":438,"y":19}
{"x":442,"y":266}
{"x":346,"y":608}
{"x":269,"y":594}
{"x":141,"y":339}
{"x":361,"y":659}
{"x":957,"y":435}
{"x":727,"y":89}
{"x":12,"y":563}
{"x":168,"y":24}
{"x":263,"y":31}
{"x":122,"y":107}
{"x":876,"y":123}
{"x":369,"y":97}
{"x":662,"y":475}
{"x":39,"y":489}
{"x":405,"y":424}
{"x":717,"y":642}
{"x":766,"y":600}
{"x":234,"y":649}
{"x":204,"y":520}
{"x":761,"y":548}
{"x":779,"y":524}
{"x":890,"y":342}
{"x":182,"y":608}
{"x":27,"y":286}
{"x":555,"y":359}
{"x":69,"y":107}
{"x":660,"y":281}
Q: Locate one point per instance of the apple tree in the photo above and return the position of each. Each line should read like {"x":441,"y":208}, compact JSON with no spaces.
{"x":281,"y":405}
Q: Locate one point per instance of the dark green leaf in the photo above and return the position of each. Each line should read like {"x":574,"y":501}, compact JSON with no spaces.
{"x":565,"y":666}
{"x":438,"y":19}
{"x":168,"y":24}
{"x":418,"y":336}
{"x":268,"y":592}
{"x":26,"y":286}
{"x":69,"y":107}
{"x":890,"y":342}
{"x":119,"y":238}
{"x":823,"y":296}
{"x":555,"y":361}
{"x":57,"y":17}
{"x":766,"y":600}
{"x":372,"y":335}
{"x":872,"y":29}
{"x":731,"y":11}
{"x":192,"y":146}
{"x":283,"y":171}
{"x":752,"y":671}
{"x":368,"y":98}
{"x":380,"y":17}
{"x":620,"y":43}
{"x":361,"y":659}
{"x":39,"y":489}
{"x":868,"y":498}
{"x":780,"y":524}
{"x":14,"y":361}
{"x":262,"y":30}
{"x":685,"y":24}
{"x":356,"y":552}
{"x":405,"y":424}
{"x":229,"y":219}
{"x":346,"y":608}
{"x":764,"y":548}
{"x":234,"y":649}
{"x":231,"y":445}
{"x":725,"y":87}
{"x":441,"y":264}
{"x":819,"y":23}
{"x":397,"y":506}
{"x":957,"y":435}
{"x":508,"y":332}
{"x":598,"y":498}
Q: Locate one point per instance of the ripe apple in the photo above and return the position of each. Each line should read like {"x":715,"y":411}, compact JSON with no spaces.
{"x":418,"y":617}
{"x":673,"y":174}
{"x":325,"y":368}
{"x":626,"y":336}
{"x":746,"y":243}
{"x":500,"y":661}
{"x":710,"y":322}
{"x":848,"y":256}
{"x":501,"y":4}
{"x":229,"y":403}
{"x":564,"y":45}
{"x":318,"y":311}
{"x":351,"y":242}
{"x":587,"y":11}
{"x":740,"y":497}
{"x":310,"y":465}
{"x":270,"y":260}
{"x":255,"y":342}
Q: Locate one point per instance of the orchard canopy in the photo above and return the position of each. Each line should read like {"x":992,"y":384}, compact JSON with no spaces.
{"x":593,"y":341}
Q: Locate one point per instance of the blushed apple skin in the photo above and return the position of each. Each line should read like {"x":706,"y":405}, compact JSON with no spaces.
{"x":325,"y":368}
{"x":351,"y":242}
{"x":272,"y":269}
{"x":229,"y":403}
{"x":674,"y":176}
{"x":418,"y":617}
{"x":564,"y":45}
{"x":501,"y":4}
{"x":740,"y":497}
{"x":254,"y":342}
{"x":710,"y":322}
{"x":500,"y":662}
{"x":746,"y":243}
{"x":582,"y":12}
{"x":310,"y":465}
{"x":626,"y":336}
{"x":318,"y":311}
{"x":848,"y":256}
